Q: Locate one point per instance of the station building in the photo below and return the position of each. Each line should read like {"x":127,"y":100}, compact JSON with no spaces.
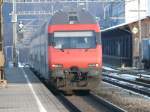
{"x":121,"y":44}
{"x":124,"y":11}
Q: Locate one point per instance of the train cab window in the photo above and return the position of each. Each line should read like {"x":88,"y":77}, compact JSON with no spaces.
{"x":69,"y":40}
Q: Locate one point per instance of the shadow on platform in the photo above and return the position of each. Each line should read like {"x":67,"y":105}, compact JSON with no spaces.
{"x":17,"y":75}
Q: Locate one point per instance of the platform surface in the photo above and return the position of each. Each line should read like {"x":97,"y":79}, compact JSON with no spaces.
{"x":25,"y":93}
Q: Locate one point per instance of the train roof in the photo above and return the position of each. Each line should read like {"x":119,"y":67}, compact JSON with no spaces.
{"x":72,"y":17}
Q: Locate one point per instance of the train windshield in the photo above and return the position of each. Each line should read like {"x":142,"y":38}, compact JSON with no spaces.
{"x":69,"y":40}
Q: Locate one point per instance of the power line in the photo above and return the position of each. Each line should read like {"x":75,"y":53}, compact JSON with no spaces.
{"x":68,"y":1}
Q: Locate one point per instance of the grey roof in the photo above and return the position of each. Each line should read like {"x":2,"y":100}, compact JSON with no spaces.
{"x":122,"y":25}
{"x":62,"y":17}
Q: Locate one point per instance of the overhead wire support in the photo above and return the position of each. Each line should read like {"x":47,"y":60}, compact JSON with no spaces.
{"x":66,"y":1}
{"x":53,"y":2}
{"x":46,"y":12}
{"x":14,"y":22}
{"x":140,"y":36}
{"x":19,"y":13}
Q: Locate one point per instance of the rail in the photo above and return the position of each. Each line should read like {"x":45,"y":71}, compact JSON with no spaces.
{"x":127,"y":85}
{"x":83,"y":100}
{"x":106,"y":103}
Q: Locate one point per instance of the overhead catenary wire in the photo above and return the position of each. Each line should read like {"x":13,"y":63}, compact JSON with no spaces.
{"x":50,"y":7}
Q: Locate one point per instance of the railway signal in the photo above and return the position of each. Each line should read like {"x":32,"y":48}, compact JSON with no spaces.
{"x":20,"y":27}
{"x":14,"y":21}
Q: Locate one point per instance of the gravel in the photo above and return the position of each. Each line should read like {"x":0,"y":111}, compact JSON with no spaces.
{"x":125,"y":99}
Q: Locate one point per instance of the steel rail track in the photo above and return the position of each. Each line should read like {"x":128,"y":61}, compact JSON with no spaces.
{"x":130,"y":72}
{"x":73,"y":108}
{"x":106,"y":103}
{"x":127,"y":80}
{"x":97,"y":103}
{"x":61,"y":97}
{"x":70,"y":106}
{"x":127,"y":85}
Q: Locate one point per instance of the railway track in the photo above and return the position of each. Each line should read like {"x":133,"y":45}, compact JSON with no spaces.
{"x":133,"y":72}
{"x":127,"y":80}
{"x":132,"y":85}
{"x":90,"y":103}
{"x":81,"y":102}
{"x":141,"y":77}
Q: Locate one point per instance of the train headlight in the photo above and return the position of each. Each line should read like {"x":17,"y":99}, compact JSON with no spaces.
{"x":57,"y":65}
{"x":93,"y":65}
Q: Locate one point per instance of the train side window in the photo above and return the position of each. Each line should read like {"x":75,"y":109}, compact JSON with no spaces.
{"x":50,"y":39}
{"x":98,"y":38}
{"x":0,"y":46}
{"x":73,"y":18}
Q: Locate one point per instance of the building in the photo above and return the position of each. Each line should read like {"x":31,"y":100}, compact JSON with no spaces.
{"x":125,"y":11}
{"x":122,"y":46}
{"x":132,"y":7}
{"x":113,"y":14}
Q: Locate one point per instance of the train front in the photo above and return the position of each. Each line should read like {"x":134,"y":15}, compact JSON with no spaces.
{"x":75,"y":52}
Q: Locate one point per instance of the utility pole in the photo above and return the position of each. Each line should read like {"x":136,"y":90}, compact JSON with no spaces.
{"x":87,"y":5}
{"x":52,"y":7}
{"x":1,"y":39}
{"x":14,"y":21}
{"x":140,"y":36}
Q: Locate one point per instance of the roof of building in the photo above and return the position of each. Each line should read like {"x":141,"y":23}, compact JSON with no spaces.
{"x":123,"y":24}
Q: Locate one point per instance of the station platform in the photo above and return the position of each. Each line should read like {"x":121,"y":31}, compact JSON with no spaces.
{"x":25,"y":93}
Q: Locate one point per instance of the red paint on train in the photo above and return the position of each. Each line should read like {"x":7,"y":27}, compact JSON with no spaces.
{"x":75,"y":57}
{"x":73,"y":27}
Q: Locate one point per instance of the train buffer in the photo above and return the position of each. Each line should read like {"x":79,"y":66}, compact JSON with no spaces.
{"x":26,"y":93}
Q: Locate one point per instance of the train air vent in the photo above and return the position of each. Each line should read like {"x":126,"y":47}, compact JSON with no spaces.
{"x":73,"y":18}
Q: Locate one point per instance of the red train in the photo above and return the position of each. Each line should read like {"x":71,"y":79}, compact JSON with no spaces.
{"x":67,"y":51}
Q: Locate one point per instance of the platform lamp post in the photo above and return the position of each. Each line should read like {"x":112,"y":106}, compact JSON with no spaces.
{"x":138,"y":30}
{"x":14,"y":22}
{"x":140,"y":36}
